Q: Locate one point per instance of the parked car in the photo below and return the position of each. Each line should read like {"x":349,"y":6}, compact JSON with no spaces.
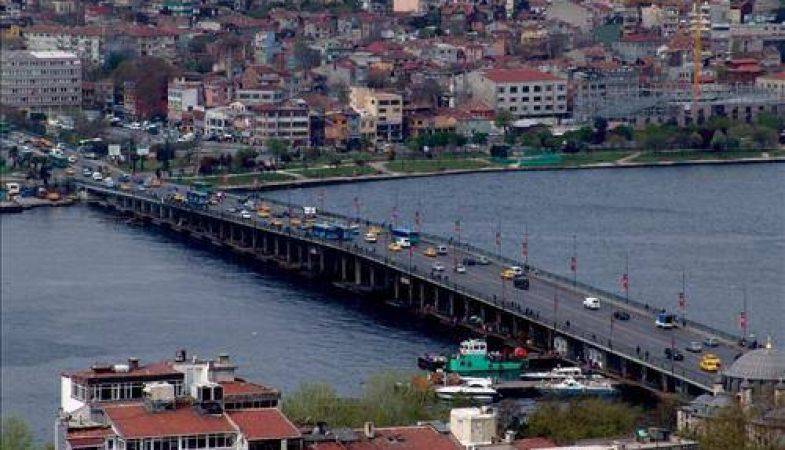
{"x":591,"y":303}
{"x":674,"y":354}
{"x":694,"y":347}
{"x":621,"y":315}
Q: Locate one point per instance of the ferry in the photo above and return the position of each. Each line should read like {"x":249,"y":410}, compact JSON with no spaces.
{"x":570,"y":387}
{"x":557,"y":373}
{"x":477,"y":389}
{"x":474,"y":358}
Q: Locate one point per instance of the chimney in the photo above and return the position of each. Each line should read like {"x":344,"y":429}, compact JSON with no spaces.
{"x":369,"y":430}
{"x":180,"y":355}
{"x":133,"y":363}
{"x":745,"y":395}
{"x":223,"y":359}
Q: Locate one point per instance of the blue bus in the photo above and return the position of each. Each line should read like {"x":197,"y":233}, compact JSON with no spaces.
{"x":402,"y":232}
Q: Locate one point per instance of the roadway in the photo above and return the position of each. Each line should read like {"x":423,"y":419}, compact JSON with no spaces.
{"x":548,"y":301}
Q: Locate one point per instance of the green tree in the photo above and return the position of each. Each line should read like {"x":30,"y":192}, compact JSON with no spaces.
{"x":582,"y":419}
{"x":726,"y":430}
{"x":164,"y":155}
{"x":719,"y":141}
{"x":479,"y":138}
{"x":278,"y":148}
{"x":503,"y":120}
{"x":15,"y":435}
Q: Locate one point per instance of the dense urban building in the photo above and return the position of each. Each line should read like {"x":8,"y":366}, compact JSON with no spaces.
{"x":525,"y":93}
{"x":40,"y":81}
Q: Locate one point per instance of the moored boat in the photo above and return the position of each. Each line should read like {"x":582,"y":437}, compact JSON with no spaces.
{"x":569,"y":387}
{"x":477,"y":389}
{"x":475,"y":359}
{"x":557,"y":373}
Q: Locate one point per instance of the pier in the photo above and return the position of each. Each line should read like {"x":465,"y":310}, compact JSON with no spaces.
{"x":548,"y":317}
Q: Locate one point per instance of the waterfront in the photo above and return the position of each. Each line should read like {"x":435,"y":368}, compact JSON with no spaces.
{"x":145,"y":294}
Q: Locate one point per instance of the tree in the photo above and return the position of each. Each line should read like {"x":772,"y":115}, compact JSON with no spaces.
{"x":15,"y":435}
{"x":600,"y":130}
{"x":582,"y":419}
{"x":149,"y":78}
{"x":164,"y":155}
{"x":726,"y":430}
{"x":305,"y":57}
{"x":479,"y":138}
{"x":719,"y":141}
{"x":503,"y":119}
{"x":278,"y":148}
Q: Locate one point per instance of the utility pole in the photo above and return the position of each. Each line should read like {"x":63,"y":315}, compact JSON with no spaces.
{"x":574,"y":260}
{"x":683,"y":298}
{"x":525,"y":245}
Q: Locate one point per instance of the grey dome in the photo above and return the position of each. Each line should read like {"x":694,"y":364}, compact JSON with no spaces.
{"x":764,"y":364}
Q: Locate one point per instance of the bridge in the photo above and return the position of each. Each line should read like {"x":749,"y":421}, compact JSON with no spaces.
{"x":548,"y":317}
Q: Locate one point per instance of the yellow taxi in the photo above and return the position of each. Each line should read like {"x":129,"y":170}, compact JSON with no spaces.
{"x":178,"y":197}
{"x":394,"y":247}
{"x":263,"y":213}
{"x":710,"y":362}
{"x":430,"y":252}
{"x":508,"y":274}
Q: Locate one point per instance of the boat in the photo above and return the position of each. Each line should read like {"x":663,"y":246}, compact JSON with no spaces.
{"x":431,"y":362}
{"x":557,"y":373}
{"x":477,"y":389}
{"x":569,"y":387}
{"x":474,"y":359}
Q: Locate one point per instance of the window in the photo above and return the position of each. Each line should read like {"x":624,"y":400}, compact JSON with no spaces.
{"x":500,"y":90}
{"x":537,"y":88}
{"x":513,"y":89}
{"x":549,"y":88}
{"x":525,"y":89}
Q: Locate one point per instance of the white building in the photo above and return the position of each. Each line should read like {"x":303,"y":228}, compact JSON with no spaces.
{"x":40,"y":80}
{"x":525,"y":93}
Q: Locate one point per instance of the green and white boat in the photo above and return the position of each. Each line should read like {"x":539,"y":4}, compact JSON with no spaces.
{"x":474,"y":360}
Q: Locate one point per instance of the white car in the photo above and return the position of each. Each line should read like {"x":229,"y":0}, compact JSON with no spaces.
{"x":404,"y":242}
{"x":441,"y":250}
{"x":109,"y":182}
{"x":245,"y":214}
{"x":460,"y":268}
{"x":517,"y":270}
{"x":97,"y":176}
{"x":591,"y":303}
{"x":438,"y":267}
{"x":370,"y":237}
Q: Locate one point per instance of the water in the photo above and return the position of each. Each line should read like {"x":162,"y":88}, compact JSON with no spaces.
{"x":724,"y":226}
{"x":79,"y":287}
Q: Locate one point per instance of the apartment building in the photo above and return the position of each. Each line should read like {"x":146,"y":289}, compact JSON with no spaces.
{"x":525,"y":93}
{"x":286,"y":121}
{"x":182,"y":97}
{"x":89,"y":43}
{"x":773,"y":83}
{"x":40,"y":80}
{"x":381,"y":113}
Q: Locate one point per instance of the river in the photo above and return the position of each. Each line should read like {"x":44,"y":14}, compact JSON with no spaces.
{"x":80,"y":287}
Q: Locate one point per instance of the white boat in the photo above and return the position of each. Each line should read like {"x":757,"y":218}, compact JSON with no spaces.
{"x":557,"y":373}
{"x":478,"y":389}
{"x":571,"y":387}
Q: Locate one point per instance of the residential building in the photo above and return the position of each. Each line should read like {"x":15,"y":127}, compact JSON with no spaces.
{"x":285,"y":121}
{"x":40,"y":80}
{"x":89,"y":43}
{"x":525,"y":93}
{"x":183,"y":96}
{"x":381,"y":113}
{"x":265,"y":47}
{"x":773,"y":83}
{"x":633,"y":47}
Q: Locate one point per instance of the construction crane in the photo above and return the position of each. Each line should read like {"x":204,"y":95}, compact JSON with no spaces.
{"x":697,"y":56}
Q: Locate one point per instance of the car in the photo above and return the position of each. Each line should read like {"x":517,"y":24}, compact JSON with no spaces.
{"x":70,"y":171}
{"x":710,"y":363}
{"x":507,"y":274}
{"x":483,"y":261}
{"x":125,"y":187}
{"x":141,"y":188}
{"x":430,"y":252}
{"x":394,"y":247}
{"x":369,"y":237}
{"x":621,"y":315}
{"x":71,"y":159}
{"x":86,"y":172}
{"x":695,"y":347}
{"x":460,"y":268}
{"x":711,"y":342}
{"x":674,"y":354}
{"x":125,"y":178}
{"x":517,"y":270}
{"x":109,"y":182}
{"x":404,"y":242}
{"x":521,"y":283}
{"x":438,"y":267}
{"x":469,"y":261}
{"x":97,"y":176}
{"x":591,"y":303}
{"x":442,"y":249}
{"x":245,"y":214}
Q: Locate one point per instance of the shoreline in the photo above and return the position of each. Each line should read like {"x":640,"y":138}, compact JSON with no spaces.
{"x":276,"y":185}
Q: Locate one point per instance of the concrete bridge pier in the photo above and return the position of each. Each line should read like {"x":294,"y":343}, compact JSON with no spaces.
{"x":451,"y":304}
{"x":344,"y":264}
{"x":372,"y":277}
{"x":358,"y":272}
{"x":436,"y":305}
{"x":422,"y":296}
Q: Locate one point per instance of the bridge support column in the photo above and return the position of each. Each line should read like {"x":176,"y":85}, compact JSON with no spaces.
{"x":514,"y":327}
{"x":322,"y":265}
{"x":664,"y":382}
{"x":253,"y":239}
{"x":276,"y":246}
{"x":451,"y":304}
{"x":343,"y":268}
{"x":265,"y":244}
{"x":300,"y":255}
{"x":422,"y":296}
{"x":623,"y":368}
{"x":288,"y":251}
{"x":436,"y":299}
{"x":358,"y":272}
{"x":371,"y":277}
{"x":644,"y":375}
{"x":397,"y":289}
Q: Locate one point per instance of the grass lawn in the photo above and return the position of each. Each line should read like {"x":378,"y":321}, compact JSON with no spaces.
{"x":340,"y":171}
{"x":242,"y":179}
{"x":435,"y":165}
{"x":576,"y":159}
{"x":687,"y":155}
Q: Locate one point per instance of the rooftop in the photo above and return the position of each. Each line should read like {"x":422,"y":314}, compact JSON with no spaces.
{"x":518,"y":75}
{"x":242,"y":387}
{"x":263,"y":424}
{"x":410,"y":438}
{"x":152,"y":370}
{"x":763,"y":364}
{"x":133,"y":421}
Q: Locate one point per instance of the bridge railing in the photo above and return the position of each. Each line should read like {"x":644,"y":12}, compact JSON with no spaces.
{"x":554,"y":277}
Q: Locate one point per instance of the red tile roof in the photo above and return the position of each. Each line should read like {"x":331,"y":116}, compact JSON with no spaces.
{"x":408,"y":438}
{"x":242,"y":387}
{"x":133,"y":421}
{"x":157,"y":369}
{"x":263,"y":424}
{"x":518,"y":75}
{"x":533,"y":443}
{"x":88,"y":437}
{"x":775,"y":76}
